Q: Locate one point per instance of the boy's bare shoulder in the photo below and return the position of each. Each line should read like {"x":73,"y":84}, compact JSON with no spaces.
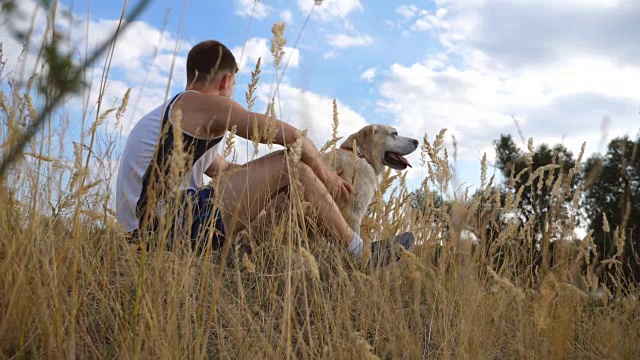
{"x":206,"y":114}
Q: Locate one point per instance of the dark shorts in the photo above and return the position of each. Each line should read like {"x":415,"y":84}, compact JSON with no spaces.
{"x":206,"y":219}
{"x":203,"y":223}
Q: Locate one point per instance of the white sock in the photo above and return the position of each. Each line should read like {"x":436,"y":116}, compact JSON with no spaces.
{"x":357,"y":245}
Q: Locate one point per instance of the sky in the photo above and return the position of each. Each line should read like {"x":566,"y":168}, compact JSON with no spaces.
{"x":564,"y":71}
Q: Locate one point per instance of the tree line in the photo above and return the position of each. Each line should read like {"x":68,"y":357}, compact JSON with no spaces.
{"x":546,"y":193}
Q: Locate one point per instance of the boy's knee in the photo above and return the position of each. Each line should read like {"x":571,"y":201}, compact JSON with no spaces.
{"x":305,"y":171}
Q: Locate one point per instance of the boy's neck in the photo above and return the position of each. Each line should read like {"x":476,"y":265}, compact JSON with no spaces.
{"x":203,"y":89}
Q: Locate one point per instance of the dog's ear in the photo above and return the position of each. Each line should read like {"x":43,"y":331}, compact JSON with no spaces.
{"x":366,"y":136}
{"x":363,"y":138}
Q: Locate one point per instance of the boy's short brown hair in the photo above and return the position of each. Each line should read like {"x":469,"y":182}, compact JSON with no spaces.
{"x":208,"y":58}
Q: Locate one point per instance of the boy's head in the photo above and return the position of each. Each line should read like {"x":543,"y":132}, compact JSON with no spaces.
{"x":211,"y":66}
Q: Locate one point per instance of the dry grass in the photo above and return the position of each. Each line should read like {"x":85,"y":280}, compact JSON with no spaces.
{"x":72,"y":287}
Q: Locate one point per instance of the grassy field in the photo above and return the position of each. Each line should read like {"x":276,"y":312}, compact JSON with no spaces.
{"x":72,"y":287}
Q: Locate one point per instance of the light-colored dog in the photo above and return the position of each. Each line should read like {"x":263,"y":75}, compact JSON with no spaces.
{"x":376,"y":146}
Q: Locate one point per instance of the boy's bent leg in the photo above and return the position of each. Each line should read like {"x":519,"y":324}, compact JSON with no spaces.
{"x":322,"y":202}
{"x":246,"y":191}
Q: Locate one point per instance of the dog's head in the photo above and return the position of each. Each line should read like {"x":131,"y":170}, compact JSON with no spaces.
{"x":382,"y":146}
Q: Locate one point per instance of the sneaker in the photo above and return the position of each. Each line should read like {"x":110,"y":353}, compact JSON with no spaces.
{"x":383,"y":250}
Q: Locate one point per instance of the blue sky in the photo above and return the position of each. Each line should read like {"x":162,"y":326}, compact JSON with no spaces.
{"x":471,"y":66}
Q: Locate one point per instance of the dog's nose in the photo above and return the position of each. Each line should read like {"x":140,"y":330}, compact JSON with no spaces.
{"x":416,"y":142}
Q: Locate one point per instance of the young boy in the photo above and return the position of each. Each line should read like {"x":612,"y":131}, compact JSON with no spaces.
{"x":206,"y":112}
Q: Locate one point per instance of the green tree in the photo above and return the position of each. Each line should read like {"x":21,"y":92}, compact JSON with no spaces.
{"x":544,"y":181}
{"x":422,"y":200}
{"x":612,"y":189}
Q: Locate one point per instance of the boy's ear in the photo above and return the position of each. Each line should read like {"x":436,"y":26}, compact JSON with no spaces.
{"x":224,"y":80}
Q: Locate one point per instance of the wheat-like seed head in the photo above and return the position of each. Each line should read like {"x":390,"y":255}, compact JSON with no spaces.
{"x":576,"y":197}
{"x":506,"y":284}
{"x":123,"y":107}
{"x":253,"y":85}
{"x":271,"y":129}
{"x":229,"y":144}
{"x":255,"y":136}
{"x":556,"y":189}
{"x":296,"y":148}
{"x":33,"y":113}
{"x":336,"y":120}
{"x":248,"y":265}
{"x":363,"y":349}
{"x":77,"y":164}
{"x":334,"y":131}
{"x":100,"y":120}
{"x":310,"y":260}
{"x":580,"y":155}
{"x":178,"y":156}
{"x":618,"y":239}
{"x":437,"y":143}
{"x":3,"y":104}
{"x":454,"y":143}
{"x":424,"y":150}
{"x":483,"y":171}
{"x":530,"y":146}
{"x":277,"y":43}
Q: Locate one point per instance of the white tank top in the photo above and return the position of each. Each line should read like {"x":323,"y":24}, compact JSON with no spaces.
{"x":136,"y":170}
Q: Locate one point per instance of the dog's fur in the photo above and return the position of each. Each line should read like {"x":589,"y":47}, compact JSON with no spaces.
{"x":376,"y":146}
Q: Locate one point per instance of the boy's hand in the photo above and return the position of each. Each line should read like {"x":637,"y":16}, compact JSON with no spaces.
{"x":337,"y":186}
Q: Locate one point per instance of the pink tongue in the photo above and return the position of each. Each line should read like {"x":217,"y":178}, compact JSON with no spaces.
{"x":402,"y":159}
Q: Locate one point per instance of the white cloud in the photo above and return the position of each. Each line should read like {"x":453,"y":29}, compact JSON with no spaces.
{"x":550,"y":33}
{"x":559,"y":69}
{"x":331,"y":9}
{"x":416,"y":19}
{"x":287,"y":16}
{"x":308,"y":110}
{"x":261,"y":48}
{"x":134,"y":46}
{"x":407,"y":11}
{"x":329,"y":55}
{"x":143,"y":55}
{"x":27,"y":17}
{"x":141,"y":101}
{"x":304,"y":110}
{"x":254,"y":48}
{"x":441,"y":13}
{"x":428,"y":21}
{"x":256,"y":8}
{"x":344,"y":41}
{"x":369,"y":74}
{"x":475,"y":106}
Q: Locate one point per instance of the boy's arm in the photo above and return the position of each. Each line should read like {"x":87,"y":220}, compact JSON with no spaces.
{"x":210,"y":115}
{"x":214,"y":115}
{"x":286,"y":135}
{"x":219,"y":165}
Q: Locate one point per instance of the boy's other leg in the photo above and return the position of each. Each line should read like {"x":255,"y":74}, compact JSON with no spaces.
{"x":245,"y":193}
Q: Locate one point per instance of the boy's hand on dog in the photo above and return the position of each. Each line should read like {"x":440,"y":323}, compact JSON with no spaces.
{"x":338,"y":186}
